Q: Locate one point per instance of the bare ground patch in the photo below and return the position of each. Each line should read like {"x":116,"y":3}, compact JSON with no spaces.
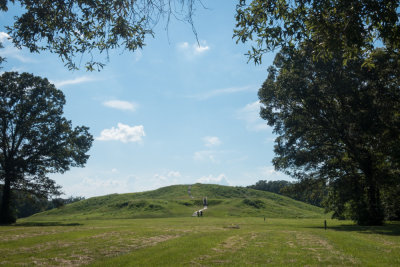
{"x":321,"y":249}
{"x":84,"y":250}
{"x":229,"y":246}
{"x":28,"y":234}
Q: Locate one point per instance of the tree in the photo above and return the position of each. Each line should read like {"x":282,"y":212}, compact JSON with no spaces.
{"x":311,"y":191}
{"x":353,"y":26}
{"x":391,"y":202}
{"x":90,"y":27}
{"x":26,"y":204}
{"x":270,"y":186}
{"x":332,"y":95}
{"x":35,"y":139}
{"x":338,"y":123}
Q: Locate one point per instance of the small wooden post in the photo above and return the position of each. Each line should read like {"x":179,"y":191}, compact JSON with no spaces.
{"x":325,"y":224}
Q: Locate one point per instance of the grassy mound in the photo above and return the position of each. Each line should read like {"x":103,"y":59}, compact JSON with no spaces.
{"x":174,"y":201}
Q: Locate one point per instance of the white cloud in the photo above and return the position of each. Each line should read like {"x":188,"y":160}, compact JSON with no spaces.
{"x":224,"y":91}
{"x":184,"y":45}
{"x":174,"y":174}
{"x":251,"y":115}
{"x":4,"y":37}
{"x":123,"y":133}
{"x":9,"y":51}
{"x":168,"y":176}
{"x":78,"y":80}
{"x":90,"y":187}
{"x":160,"y":177}
{"x":15,"y":53}
{"x":198,"y":49}
{"x":207,"y":155}
{"x":193,"y":50}
{"x":164,"y":178}
{"x":211,"y":141}
{"x":220,"y":179}
{"x":120,"y":104}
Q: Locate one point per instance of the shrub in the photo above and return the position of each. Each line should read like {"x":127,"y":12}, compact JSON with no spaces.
{"x":256,"y":203}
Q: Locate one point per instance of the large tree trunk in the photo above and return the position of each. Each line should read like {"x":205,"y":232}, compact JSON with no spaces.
{"x":6,"y":214}
{"x":374,"y":211}
{"x":374,"y":205}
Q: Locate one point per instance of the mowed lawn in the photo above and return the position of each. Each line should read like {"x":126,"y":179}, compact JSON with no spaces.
{"x":204,"y":241}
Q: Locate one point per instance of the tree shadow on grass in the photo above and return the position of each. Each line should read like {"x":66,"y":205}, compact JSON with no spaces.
{"x":390,"y":228}
{"x":28,"y":224}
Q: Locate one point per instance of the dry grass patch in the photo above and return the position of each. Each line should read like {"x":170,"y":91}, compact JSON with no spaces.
{"x":79,"y":251}
{"x":27,"y":232}
{"x":321,"y":249}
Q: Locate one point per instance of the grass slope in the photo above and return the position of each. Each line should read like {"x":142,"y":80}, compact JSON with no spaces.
{"x":174,"y":201}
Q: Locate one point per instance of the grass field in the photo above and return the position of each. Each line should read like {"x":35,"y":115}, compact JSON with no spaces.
{"x":154,"y":228}
{"x":204,"y":241}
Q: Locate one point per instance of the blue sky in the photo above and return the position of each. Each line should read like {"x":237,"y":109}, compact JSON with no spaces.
{"x":172,"y":113}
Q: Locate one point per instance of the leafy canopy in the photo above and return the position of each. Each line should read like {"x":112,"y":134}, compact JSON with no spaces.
{"x":353,"y":26}
{"x":332,"y":95}
{"x":90,"y":27}
{"x":339,"y":123}
{"x":35,"y":139}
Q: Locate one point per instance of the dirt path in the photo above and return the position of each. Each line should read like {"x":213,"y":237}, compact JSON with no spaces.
{"x":197,"y":212}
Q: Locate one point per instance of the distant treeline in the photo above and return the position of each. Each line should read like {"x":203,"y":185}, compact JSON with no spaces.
{"x":26,"y":204}
{"x":310,"y":191}
{"x":316,"y":192}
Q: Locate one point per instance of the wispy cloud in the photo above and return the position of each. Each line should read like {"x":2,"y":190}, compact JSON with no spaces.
{"x":168,"y":176}
{"x":220,"y":179}
{"x":77,"y":80}
{"x":218,"y":156}
{"x":192,"y":50}
{"x":174,"y":174}
{"x":251,"y":115}
{"x":206,"y":155}
{"x":90,"y":187}
{"x":269,"y":173}
{"x":214,"y":156}
{"x":123,"y":133}
{"x":14,"y":53}
{"x":224,"y":91}
{"x":120,"y":104}
{"x":9,"y":51}
{"x":163,"y":178}
{"x":137,"y":55}
{"x":211,"y":141}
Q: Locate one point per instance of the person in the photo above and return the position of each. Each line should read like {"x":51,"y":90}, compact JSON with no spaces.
{"x":198,"y":214}
{"x":201,"y":213}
